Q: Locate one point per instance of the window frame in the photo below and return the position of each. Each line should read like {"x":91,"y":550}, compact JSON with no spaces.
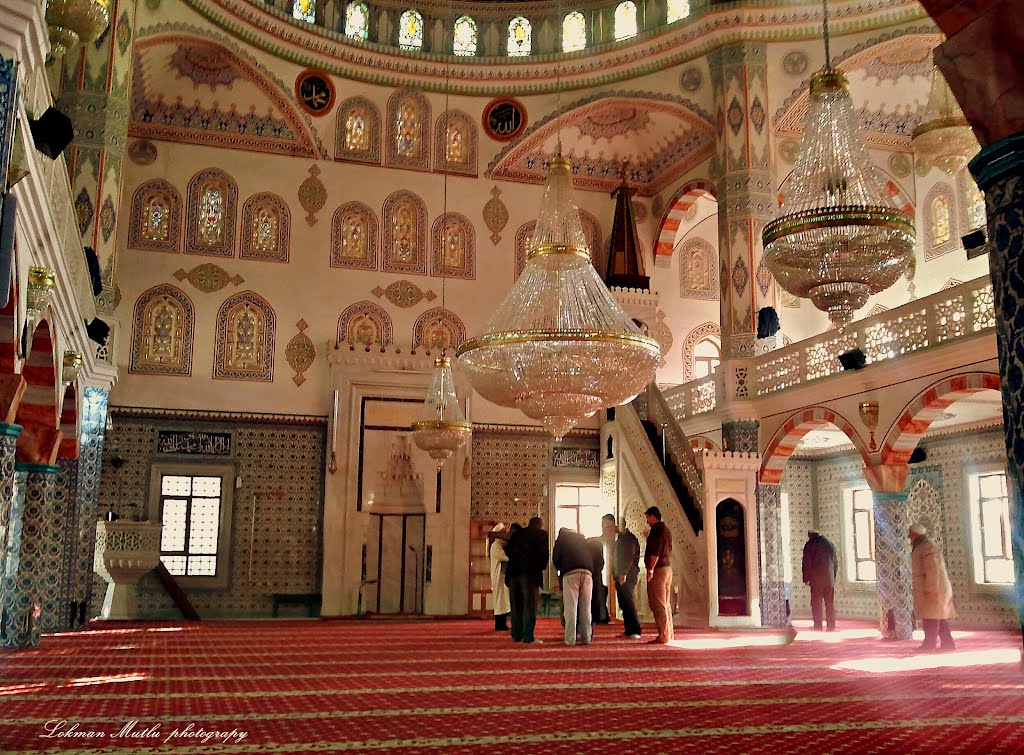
{"x":975,"y":544}
{"x":228,"y":473}
{"x":714,"y":363}
{"x":849,"y":531}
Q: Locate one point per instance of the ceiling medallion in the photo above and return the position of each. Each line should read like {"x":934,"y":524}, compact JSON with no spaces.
{"x":404,"y":294}
{"x":314,"y":91}
{"x":504,"y":119}
{"x":691,"y":79}
{"x":142,"y":152}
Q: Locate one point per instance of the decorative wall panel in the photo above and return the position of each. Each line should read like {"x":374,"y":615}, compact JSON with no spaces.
{"x":156,"y":217}
{"x":453,"y":247}
{"x":162,"y":326}
{"x":405,"y":234}
{"x":266,"y":228}
{"x":354,"y":237}
{"x":358,"y":133}
{"x":244,"y":347}
{"x":438,"y":329}
{"x":365,"y":324}
{"x":509,"y":476}
{"x":210,"y":218}
{"x":698,"y":270}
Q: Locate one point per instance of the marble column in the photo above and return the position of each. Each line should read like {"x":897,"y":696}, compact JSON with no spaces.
{"x":999,"y":171}
{"x":33,"y":557}
{"x":95,"y":81}
{"x":742,"y":166}
{"x":775,"y":591}
{"x":892,"y":565}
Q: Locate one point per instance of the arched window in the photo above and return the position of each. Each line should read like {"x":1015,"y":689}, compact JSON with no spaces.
{"x":357,"y":21}
{"x":974,"y":201}
{"x":625,"y":20}
{"x":410,"y":30}
{"x":304,"y":10}
{"x":244,"y":348}
{"x":405,"y":234}
{"x":678,"y":9}
{"x":455,"y":148}
{"x":358,"y":136}
{"x":574,"y":32}
{"x":940,"y":220}
{"x":706,"y":358}
{"x":162,"y":332}
{"x":156,"y":217}
{"x":354,"y":237}
{"x":409,"y":130}
{"x":520,"y":37}
{"x":212,"y":198}
{"x":464,"y":42}
{"x":454,"y":247}
{"x":266,"y":228}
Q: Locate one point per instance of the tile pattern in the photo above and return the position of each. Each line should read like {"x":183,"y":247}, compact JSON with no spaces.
{"x":509,"y":476}
{"x":773,"y":588}
{"x":277,"y":544}
{"x":8,"y":444}
{"x":892,"y":565}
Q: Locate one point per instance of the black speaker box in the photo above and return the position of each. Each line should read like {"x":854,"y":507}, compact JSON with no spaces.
{"x":52,"y":132}
{"x":853,"y":360}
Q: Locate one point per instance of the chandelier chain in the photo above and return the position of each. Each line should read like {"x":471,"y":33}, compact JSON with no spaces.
{"x":828,"y":51}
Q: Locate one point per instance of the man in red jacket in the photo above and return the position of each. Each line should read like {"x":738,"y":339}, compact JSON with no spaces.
{"x":658,"y":559}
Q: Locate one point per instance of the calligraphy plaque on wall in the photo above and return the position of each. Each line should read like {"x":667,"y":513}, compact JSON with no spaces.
{"x":584,"y":458}
{"x":504,"y":119}
{"x":193,"y":443}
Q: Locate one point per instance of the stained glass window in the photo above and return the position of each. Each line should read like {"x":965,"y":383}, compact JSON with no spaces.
{"x":357,"y":18}
{"x":453,"y":250}
{"x":465,"y":36}
{"x":574,"y":32}
{"x":404,"y":225}
{"x":407,"y":136}
{"x":264,"y":229}
{"x":678,"y":9}
{"x":977,"y":215}
{"x":625,"y":20}
{"x":454,"y":143}
{"x":410,"y":30}
{"x":211,"y":214}
{"x":940,"y":220}
{"x":357,"y":138}
{"x":304,"y":10}
{"x":156,"y":224}
{"x":520,"y":37}
{"x":353,"y":239}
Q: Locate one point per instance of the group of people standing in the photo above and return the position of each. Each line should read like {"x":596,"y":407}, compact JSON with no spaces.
{"x":519,"y":557}
{"x":932,"y":590}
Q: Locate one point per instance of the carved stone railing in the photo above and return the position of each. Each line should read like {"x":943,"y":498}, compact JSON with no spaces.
{"x":958,"y":312}
{"x":678,"y":444}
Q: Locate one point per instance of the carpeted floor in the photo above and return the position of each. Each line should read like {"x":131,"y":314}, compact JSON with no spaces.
{"x":455,"y":687}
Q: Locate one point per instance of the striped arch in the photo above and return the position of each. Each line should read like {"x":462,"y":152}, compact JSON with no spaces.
{"x":787,"y":437}
{"x":38,"y":411}
{"x":675,"y":214}
{"x":903,"y":437}
{"x":69,"y":415}
{"x":703,"y":443}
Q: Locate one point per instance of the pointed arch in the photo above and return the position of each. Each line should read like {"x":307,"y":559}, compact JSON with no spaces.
{"x":212,"y":205}
{"x":69,"y":423}
{"x":675,"y":216}
{"x":266,"y":228}
{"x":787,"y":437}
{"x":408,"y":129}
{"x":354,"y":235}
{"x":155,"y":222}
{"x":39,"y":411}
{"x":405,"y":234}
{"x":455,"y":143}
{"x":438,"y":329}
{"x":357,"y":137}
{"x":902,"y":438}
{"x":941,"y":231}
{"x":366,"y":325}
{"x":453,"y":247}
{"x":245,"y":339}
{"x":704,"y":331}
{"x":162,"y":328}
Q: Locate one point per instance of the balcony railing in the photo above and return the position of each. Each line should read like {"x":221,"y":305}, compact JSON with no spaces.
{"x":954,"y":313}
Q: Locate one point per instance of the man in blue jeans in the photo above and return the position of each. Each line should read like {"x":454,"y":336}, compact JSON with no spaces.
{"x":573,"y":559}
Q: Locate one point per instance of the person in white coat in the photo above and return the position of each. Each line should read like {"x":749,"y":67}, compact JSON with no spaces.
{"x":499,"y":590}
{"x":933,"y":594}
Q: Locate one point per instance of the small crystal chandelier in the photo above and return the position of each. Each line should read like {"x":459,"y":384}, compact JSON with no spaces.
{"x":41,"y":284}
{"x":73,"y":22}
{"x":71,"y":367}
{"x":944,"y":138}
{"x":559,"y":347}
{"x":444,"y":429}
{"x":843,"y":237}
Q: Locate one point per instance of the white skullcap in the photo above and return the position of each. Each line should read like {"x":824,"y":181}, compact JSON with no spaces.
{"x":918,"y":529}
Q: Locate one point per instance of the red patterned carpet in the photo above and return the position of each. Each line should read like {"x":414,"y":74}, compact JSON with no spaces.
{"x":456,"y":687}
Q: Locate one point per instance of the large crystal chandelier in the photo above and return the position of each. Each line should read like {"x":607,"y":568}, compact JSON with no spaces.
{"x":73,"y":22}
{"x":559,"y":347}
{"x":443,"y":428}
{"x":944,"y":138}
{"x":842,"y":237}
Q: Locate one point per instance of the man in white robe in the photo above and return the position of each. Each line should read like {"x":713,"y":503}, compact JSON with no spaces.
{"x":499,"y":590}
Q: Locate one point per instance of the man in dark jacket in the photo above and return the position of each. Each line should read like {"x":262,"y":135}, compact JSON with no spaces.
{"x":625,"y":572}
{"x":574,"y":561}
{"x":658,"y":559}
{"x":527,"y":552}
{"x":599,"y":603}
{"x":819,"y":572}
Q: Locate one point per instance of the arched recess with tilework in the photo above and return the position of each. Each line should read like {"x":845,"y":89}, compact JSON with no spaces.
{"x":787,"y":438}
{"x":675,"y":216}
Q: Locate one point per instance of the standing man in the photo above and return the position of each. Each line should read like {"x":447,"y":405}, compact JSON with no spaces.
{"x":658,"y":559}
{"x":933,"y":594}
{"x":599,"y":603}
{"x":499,"y":590}
{"x":527,"y":559}
{"x":574,"y":561}
{"x":819,"y":572}
{"x":625,"y":572}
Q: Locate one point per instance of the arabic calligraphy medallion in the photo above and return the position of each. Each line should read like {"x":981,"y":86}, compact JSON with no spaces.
{"x":315,"y":92}
{"x":504,"y":119}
